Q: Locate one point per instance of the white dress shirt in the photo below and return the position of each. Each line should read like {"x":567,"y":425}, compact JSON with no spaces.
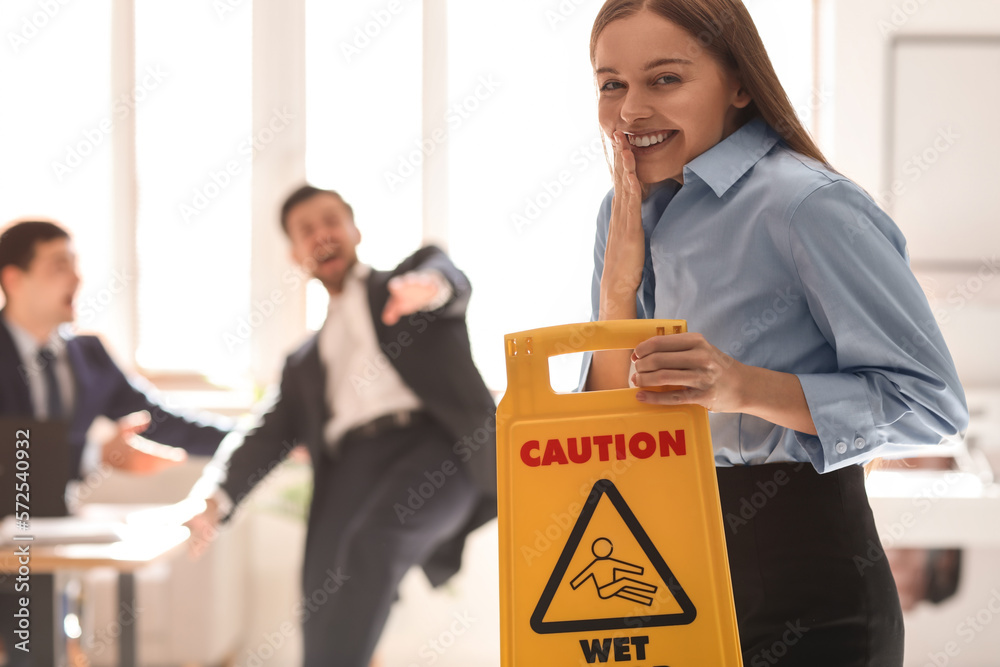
{"x":361,"y":382}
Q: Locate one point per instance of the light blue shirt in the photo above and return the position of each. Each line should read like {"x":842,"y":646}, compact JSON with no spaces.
{"x":783,"y":264}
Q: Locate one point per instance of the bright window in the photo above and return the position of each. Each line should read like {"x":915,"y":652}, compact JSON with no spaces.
{"x":363,"y":97}
{"x":786,"y":28}
{"x":194,"y":145}
{"x":57,"y":122}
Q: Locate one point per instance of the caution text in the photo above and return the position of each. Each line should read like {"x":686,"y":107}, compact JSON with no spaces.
{"x":604,"y":447}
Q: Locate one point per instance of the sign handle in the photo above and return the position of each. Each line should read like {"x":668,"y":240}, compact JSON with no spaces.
{"x":528,"y":352}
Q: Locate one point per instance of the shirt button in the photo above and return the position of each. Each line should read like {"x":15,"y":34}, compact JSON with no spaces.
{"x":859,"y":443}
{"x":841,"y":447}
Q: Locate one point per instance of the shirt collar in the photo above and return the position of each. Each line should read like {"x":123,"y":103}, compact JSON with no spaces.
{"x":359,"y":271}
{"x":726,"y":162}
{"x":27,"y":345}
{"x":356,"y":275}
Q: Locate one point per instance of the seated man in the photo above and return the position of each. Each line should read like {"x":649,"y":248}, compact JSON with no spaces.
{"x":399,"y":425}
{"x":49,"y":374}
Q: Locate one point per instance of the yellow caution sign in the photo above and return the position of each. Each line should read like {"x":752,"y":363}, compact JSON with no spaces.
{"x":612,"y":547}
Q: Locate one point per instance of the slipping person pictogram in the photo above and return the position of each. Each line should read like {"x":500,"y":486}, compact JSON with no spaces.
{"x":613,"y":578}
{"x":604,"y":566}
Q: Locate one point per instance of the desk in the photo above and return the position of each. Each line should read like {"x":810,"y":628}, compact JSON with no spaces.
{"x":140,"y":548}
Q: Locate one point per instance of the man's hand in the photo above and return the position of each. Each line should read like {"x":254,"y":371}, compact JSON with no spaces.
{"x":127,"y":451}
{"x":408,"y":294}
{"x":204,"y":524}
{"x":198,"y":515}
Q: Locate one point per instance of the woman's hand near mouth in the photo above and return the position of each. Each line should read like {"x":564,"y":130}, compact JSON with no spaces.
{"x":624,"y":257}
{"x":625,"y":252}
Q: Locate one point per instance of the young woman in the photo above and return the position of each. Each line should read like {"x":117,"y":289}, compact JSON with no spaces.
{"x":812,"y":344}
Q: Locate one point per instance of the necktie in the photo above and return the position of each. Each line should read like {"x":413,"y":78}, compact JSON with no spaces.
{"x":47,"y":362}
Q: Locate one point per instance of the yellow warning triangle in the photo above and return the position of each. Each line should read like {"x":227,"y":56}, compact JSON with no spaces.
{"x":610,"y":576}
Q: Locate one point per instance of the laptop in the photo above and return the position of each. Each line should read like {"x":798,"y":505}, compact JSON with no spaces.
{"x":45,"y":466}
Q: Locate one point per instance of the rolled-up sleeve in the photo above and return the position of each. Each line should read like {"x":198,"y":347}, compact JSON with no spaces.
{"x":895,"y":385}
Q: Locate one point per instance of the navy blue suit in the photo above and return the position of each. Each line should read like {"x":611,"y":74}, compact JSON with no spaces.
{"x":102,"y":389}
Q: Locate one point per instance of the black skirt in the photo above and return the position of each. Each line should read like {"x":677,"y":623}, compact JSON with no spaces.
{"x":811,"y":582}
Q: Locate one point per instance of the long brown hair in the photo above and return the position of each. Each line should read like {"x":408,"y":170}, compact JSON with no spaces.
{"x":724,"y":29}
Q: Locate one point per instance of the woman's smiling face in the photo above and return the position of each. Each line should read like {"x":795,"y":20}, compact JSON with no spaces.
{"x":660,"y":86}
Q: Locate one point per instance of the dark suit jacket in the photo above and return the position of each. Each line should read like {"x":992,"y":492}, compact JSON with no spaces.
{"x":432,"y":355}
{"x":101,"y":389}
